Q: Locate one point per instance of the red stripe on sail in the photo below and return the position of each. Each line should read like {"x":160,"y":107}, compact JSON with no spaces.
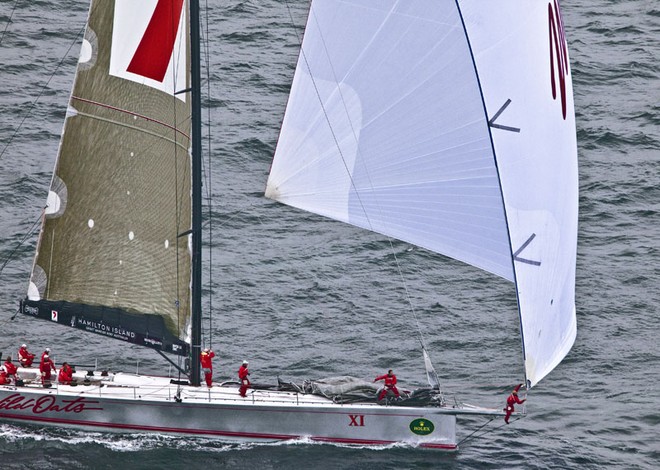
{"x":157,"y":45}
{"x":560,"y":53}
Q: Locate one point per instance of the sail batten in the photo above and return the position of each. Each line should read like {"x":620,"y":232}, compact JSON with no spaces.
{"x":436,"y":123}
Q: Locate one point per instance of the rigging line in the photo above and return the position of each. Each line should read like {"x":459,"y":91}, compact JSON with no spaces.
{"x":177,"y":203}
{"x":350,"y":176}
{"x":29,"y":233}
{"x":475,"y":431}
{"x":499,"y":178}
{"x":327,"y":118}
{"x":8,"y":21}
{"x":236,"y":214}
{"x":209,"y":177}
{"x":18,"y":310}
{"x":171,"y":362}
{"x":41,"y":92}
{"x":491,"y":430}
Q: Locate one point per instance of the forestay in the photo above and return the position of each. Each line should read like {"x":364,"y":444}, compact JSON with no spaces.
{"x":448,"y":125}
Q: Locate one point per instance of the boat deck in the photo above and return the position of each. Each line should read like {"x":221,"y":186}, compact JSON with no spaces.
{"x":122,"y":386}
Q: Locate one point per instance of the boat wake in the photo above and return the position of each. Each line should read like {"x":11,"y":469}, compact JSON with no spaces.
{"x":11,"y":435}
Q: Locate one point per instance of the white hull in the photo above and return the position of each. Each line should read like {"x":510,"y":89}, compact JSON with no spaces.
{"x":127,"y":403}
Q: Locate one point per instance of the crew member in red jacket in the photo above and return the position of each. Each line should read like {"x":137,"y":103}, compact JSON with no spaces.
{"x":45,"y":353}
{"x":25,"y":357}
{"x":390,"y":384}
{"x":45,"y":367}
{"x":243,"y":377}
{"x":510,"y":401}
{"x":11,"y":369}
{"x":65,"y":377}
{"x":207,"y":365}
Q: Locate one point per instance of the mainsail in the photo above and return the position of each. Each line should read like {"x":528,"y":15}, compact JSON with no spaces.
{"x":113,"y":253}
{"x":449,"y":125}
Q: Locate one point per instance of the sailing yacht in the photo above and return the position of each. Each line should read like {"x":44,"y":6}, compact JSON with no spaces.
{"x":448,"y":125}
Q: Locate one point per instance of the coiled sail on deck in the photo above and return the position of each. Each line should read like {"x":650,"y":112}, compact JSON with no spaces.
{"x":448,"y":125}
{"x":113,"y":257}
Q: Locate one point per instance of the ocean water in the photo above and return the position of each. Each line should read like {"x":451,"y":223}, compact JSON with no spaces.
{"x":304,"y":297}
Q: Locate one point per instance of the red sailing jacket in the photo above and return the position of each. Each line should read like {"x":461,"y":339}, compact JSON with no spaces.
{"x":243,"y":372}
{"x":11,"y":368}
{"x":390,"y":380}
{"x":25,"y":355}
{"x":46,"y":364}
{"x":66,"y":375}
{"x":513,"y":398}
{"x":205,"y":358}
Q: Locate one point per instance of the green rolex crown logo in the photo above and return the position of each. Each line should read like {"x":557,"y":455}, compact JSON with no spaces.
{"x":422,"y":426}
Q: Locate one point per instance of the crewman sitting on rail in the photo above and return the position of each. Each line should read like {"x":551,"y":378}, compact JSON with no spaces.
{"x":25,"y":357}
{"x":11,"y":369}
{"x":4,"y":379}
{"x":66,"y":374}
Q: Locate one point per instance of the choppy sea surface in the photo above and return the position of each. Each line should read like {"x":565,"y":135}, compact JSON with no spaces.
{"x":304,"y":297}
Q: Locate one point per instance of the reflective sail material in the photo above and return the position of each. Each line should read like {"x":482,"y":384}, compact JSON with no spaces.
{"x":111,"y":256}
{"x":448,"y":125}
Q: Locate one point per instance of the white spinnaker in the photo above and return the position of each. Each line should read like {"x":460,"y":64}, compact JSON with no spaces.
{"x":511,"y":41}
{"x":401,"y":143}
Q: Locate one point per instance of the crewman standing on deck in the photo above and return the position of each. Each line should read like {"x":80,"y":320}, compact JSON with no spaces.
{"x":45,"y":353}
{"x":205,"y":358}
{"x":45,"y":367}
{"x":243,"y":377}
{"x":390,"y":384}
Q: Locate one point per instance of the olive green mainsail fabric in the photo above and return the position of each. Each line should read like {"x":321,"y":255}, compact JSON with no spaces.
{"x":114,"y":234}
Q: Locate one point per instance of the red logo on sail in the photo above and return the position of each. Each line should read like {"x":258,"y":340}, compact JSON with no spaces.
{"x":558,"y":52}
{"x":154,"y":52}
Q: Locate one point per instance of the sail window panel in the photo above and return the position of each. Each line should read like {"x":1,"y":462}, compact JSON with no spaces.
{"x":419,"y":138}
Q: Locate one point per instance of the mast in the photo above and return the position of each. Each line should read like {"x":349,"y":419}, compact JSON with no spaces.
{"x":196,"y":293}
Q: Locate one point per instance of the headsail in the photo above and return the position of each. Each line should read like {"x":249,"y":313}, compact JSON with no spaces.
{"x":435,"y":123}
{"x":113,"y":255}
{"x":522,"y":60}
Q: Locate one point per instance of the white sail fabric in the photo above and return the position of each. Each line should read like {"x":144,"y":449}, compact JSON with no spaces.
{"x":521,"y":56}
{"x":401,"y":144}
{"x":431,"y":374}
{"x":435,"y":123}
